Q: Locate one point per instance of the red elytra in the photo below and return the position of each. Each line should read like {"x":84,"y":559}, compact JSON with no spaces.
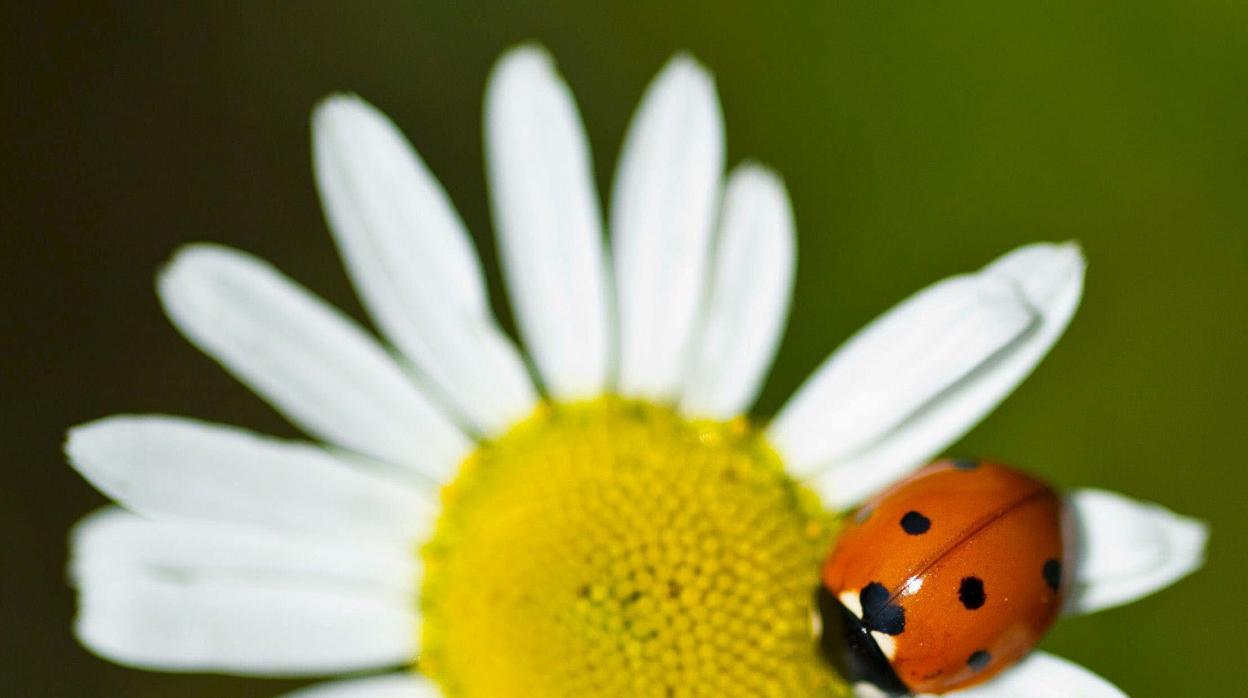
{"x":944,"y":579}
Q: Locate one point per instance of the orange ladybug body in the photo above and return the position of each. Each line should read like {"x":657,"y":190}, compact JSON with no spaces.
{"x":945,"y":579}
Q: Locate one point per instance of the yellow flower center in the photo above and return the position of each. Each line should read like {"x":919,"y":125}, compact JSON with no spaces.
{"x":614,"y":548}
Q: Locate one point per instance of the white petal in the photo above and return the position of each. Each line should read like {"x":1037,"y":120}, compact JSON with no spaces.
{"x":113,"y":539}
{"x":897,"y":364}
{"x":226,"y":617}
{"x":751,"y":285}
{"x":413,"y":264}
{"x":311,"y":362}
{"x":169,"y":467}
{"x":548,"y":222}
{"x":1127,"y":549}
{"x":1042,"y":675}
{"x":662,"y":209}
{"x":387,"y":686}
{"x":923,"y":374}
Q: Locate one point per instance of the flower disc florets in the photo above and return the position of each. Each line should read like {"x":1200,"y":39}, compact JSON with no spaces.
{"x":614,"y":548}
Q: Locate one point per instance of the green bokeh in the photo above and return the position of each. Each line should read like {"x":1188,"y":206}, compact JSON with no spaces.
{"x":917,"y":139}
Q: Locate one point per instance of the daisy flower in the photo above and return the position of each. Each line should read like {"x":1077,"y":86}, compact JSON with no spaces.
{"x":595,"y":517}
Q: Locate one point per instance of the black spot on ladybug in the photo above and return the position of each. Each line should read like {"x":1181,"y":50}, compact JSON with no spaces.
{"x":850,"y":649}
{"x":971,"y":593}
{"x":873,"y":594}
{"x":878,"y":613}
{"x":915,"y":523}
{"x":1053,"y":574}
{"x":965,"y":463}
{"x":978,"y":659}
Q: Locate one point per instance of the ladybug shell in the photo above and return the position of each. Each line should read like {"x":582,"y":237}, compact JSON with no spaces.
{"x":955,"y":573}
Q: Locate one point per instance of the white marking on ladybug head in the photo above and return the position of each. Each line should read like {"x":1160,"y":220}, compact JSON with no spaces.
{"x":850,"y":600}
{"x":866,"y":690}
{"x":887,"y":643}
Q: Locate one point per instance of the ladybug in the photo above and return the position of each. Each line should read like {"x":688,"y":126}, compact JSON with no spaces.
{"x":945,"y":579}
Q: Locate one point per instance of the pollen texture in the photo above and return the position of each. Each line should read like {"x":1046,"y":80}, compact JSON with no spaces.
{"x":614,"y":548}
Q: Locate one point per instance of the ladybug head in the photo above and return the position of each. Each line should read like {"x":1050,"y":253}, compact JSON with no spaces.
{"x":846,"y":643}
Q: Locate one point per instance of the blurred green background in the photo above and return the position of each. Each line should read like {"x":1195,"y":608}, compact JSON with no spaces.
{"x":917,"y":139}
